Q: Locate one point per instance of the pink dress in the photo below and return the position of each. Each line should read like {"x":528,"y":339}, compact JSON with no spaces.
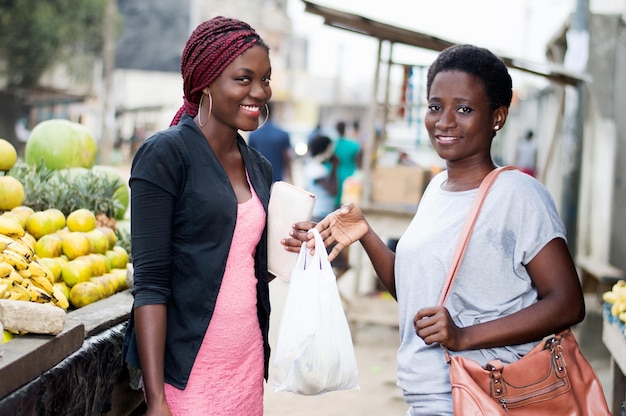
{"x":227,"y":376}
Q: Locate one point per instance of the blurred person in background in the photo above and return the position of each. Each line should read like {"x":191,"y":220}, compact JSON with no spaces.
{"x":348,"y":152}
{"x":526,"y":154}
{"x":273,"y":142}
{"x":320,"y":173}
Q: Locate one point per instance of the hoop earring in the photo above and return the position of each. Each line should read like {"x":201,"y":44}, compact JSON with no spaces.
{"x":200,"y":108}
{"x":267,"y":116}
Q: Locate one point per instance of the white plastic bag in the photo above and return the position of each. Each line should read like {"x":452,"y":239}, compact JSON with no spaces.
{"x":314,"y":352}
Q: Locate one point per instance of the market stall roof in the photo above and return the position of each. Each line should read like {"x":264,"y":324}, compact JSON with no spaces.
{"x":386,"y":32}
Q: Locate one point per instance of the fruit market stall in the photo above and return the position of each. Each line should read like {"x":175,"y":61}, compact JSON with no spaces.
{"x":614,"y":338}
{"x":77,"y":372}
{"x":64,"y":278}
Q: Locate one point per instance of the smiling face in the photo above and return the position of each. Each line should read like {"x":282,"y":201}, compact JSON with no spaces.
{"x":459,"y":118}
{"x":241,"y":90}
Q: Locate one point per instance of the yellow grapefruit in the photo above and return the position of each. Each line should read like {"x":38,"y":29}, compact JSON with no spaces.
{"x":111,"y":236}
{"x":108,"y":286}
{"x":84,"y":293}
{"x":76,"y":244}
{"x":11,"y":193}
{"x":105,"y":260}
{"x":49,"y":245}
{"x":57,"y":217}
{"x":8,"y":155}
{"x":81,"y":219}
{"x":75,"y":271}
{"x":120,"y":275}
{"x":23,"y":211}
{"x":98,"y":265}
{"x":118,"y":256}
{"x":99,"y":241}
{"x":53,"y":264}
{"x":39,"y":224}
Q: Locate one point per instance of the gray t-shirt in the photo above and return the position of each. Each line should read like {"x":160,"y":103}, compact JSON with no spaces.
{"x":517,"y":220}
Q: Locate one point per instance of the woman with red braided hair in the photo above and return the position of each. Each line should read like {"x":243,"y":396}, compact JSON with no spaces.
{"x":198,"y":330}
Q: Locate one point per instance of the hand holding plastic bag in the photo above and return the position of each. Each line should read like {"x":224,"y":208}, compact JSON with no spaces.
{"x":314,"y":353}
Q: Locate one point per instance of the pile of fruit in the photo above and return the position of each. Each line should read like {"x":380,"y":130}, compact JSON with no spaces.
{"x":615,"y":305}
{"x":67,"y":261}
{"x":60,"y":221}
{"x":22,"y":276}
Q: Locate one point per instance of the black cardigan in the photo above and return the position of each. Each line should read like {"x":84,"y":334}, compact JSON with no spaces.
{"x":183,"y":214}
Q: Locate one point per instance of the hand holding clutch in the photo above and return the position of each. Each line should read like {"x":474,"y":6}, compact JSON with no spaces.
{"x":288,"y":204}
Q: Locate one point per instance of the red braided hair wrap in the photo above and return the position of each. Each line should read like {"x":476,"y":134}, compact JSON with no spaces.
{"x":211,"y":47}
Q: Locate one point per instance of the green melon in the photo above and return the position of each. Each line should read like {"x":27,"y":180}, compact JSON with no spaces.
{"x":61,"y":144}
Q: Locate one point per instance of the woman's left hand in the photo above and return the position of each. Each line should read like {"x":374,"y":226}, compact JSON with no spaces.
{"x":434,"y":324}
{"x":298,"y":235}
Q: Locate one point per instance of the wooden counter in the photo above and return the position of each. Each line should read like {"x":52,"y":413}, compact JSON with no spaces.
{"x":615,"y":342}
{"x":76,"y":373}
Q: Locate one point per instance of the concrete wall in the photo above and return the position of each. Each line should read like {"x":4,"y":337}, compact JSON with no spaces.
{"x":618,"y":232}
{"x":604,"y":161}
{"x":601,"y":214}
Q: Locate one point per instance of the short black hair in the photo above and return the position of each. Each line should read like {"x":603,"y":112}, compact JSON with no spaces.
{"x":341,"y":127}
{"x":482,"y":64}
{"x":319,"y":144}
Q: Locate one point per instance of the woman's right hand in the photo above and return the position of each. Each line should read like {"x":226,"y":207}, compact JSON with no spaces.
{"x":343,"y":226}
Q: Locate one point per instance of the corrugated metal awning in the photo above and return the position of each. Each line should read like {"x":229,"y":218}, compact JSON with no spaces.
{"x":386,"y":32}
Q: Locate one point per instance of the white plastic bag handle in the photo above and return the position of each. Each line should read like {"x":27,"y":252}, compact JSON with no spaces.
{"x":306,"y":260}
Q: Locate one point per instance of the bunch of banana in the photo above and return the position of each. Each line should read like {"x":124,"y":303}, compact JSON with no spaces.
{"x":16,"y":258}
{"x":18,"y":245}
{"x":21,"y":279}
{"x":10,"y":228}
{"x":616,"y":297}
{"x":21,"y":276}
{"x":36,"y":288}
{"x":10,"y":290}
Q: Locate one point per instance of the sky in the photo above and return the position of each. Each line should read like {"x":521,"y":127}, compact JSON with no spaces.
{"x":517,"y":28}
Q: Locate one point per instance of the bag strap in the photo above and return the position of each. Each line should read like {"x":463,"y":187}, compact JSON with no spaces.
{"x":466,"y":231}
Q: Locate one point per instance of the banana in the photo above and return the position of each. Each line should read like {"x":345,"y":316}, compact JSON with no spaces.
{"x":37,"y":269}
{"x":19,"y":293}
{"x":4,"y":288}
{"x":15,"y":277}
{"x":42,"y":282}
{"x":15,"y":260}
{"x":10,"y":227}
{"x":12,"y":295}
{"x":25,"y":273}
{"x":5,"y":269}
{"x":5,"y":240}
{"x":59,"y":299}
{"x":5,"y":281}
{"x":8,"y":284}
{"x":38,"y":295}
{"x":29,"y":241}
{"x":19,"y":247}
